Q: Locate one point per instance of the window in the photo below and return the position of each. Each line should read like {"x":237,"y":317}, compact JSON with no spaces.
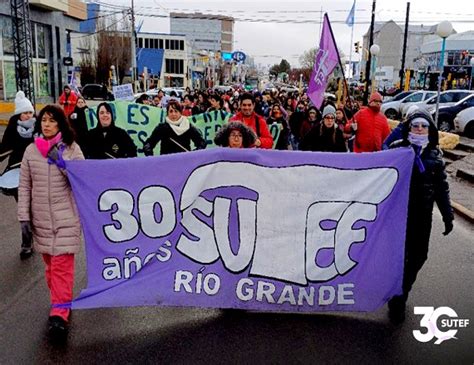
{"x":172,"y":44}
{"x":174,"y":66}
{"x":414,"y":98}
{"x":161,"y":44}
{"x":181,"y":45}
{"x":155,"y":43}
{"x":6,"y":24}
{"x":140,"y":42}
{"x":41,"y":40}
{"x":459,"y":96}
{"x":167,"y":44}
{"x":470,"y":101}
{"x":147,"y":43}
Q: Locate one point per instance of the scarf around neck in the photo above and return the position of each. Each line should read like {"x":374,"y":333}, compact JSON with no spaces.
{"x":25,"y":128}
{"x":180,"y":126}
{"x":45,"y":145}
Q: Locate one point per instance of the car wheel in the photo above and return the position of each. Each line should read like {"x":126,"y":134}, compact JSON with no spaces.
{"x":469,"y":130}
{"x":444,"y":125}
{"x":391,"y":114}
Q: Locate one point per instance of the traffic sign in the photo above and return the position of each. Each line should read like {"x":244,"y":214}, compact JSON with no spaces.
{"x":239,"y":56}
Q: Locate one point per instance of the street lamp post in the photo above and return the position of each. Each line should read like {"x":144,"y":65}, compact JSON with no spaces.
{"x":374,"y":51}
{"x":443,"y":30}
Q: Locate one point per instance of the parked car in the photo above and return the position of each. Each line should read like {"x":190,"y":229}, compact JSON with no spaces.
{"x":96,"y":91}
{"x":446,"y":98}
{"x":391,"y":108}
{"x":447,"y":114}
{"x":464,"y":122}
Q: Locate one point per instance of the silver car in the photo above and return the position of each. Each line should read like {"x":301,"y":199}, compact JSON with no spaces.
{"x":446,"y":98}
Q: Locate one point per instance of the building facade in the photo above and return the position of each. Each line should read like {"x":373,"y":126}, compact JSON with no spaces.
{"x":51,"y":22}
{"x":173,"y":71}
{"x":389,"y":37}
{"x":205,"y":32}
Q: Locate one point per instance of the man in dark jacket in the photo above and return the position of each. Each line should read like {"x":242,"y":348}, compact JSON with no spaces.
{"x":428,"y":185}
{"x":107,"y":140}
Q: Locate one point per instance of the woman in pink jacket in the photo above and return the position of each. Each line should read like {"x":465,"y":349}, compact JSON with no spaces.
{"x":47,"y":212}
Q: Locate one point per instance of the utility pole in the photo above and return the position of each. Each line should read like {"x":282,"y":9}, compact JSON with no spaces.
{"x":22,"y":46}
{"x":134,"y":49}
{"x":369,"y":56}
{"x":405,"y":37}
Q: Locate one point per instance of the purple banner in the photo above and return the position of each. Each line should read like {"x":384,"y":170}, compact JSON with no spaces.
{"x":251,"y":229}
{"x":326,"y":60}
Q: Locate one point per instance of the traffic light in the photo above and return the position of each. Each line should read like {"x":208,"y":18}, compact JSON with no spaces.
{"x":356,"y":47}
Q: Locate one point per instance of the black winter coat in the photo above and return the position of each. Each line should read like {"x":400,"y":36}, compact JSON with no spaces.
{"x":13,"y":141}
{"x":109,"y":142}
{"x":164,"y":133}
{"x":283,"y":138}
{"x":79,"y":125}
{"x":321,"y":139}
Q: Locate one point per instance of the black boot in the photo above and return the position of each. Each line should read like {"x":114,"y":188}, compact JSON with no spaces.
{"x":397,"y":308}
{"x":57,"y":329}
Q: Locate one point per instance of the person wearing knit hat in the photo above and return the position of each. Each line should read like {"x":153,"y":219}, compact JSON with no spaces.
{"x":18,"y":135}
{"x":371,"y":126}
{"x":428,"y":185}
{"x":329,"y":110}
{"x":22,"y":104}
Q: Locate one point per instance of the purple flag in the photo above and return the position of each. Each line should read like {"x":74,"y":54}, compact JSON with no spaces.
{"x":250,"y":229}
{"x":327,"y":58}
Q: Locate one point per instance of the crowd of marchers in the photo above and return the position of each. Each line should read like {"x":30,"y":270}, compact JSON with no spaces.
{"x":40,"y":144}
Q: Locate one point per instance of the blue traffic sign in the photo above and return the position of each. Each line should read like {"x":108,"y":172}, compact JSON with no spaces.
{"x":239,"y":56}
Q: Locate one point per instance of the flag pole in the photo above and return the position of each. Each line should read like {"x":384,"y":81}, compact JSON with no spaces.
{"x":339,"y":59}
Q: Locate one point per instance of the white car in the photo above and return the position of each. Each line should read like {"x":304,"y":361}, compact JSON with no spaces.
{"x":464,"y":122}
{"x":415,"y":98}
{"x":446,"y":98}
{"x":391,"y":108}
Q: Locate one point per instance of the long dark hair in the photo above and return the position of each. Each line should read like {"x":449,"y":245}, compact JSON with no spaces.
{"x":57,"y":113}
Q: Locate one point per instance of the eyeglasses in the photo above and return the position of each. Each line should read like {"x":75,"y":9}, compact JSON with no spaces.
{"x":235,"y":135}
{"x":420,"y":125}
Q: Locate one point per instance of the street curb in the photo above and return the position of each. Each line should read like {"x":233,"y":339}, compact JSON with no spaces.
{"x":463,"y":211}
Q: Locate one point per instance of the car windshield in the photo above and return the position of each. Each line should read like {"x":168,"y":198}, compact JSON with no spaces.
{"x":401,"y":95}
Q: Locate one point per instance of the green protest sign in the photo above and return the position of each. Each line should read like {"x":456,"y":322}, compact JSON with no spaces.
{"x":139,"y":120}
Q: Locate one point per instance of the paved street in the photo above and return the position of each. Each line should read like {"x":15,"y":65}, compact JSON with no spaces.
{"x":186,"y":335}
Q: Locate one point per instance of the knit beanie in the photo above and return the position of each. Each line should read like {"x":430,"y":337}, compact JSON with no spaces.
{"x":22,"y":104}
{"x":375,"y":97}
{"x":329,"y":109}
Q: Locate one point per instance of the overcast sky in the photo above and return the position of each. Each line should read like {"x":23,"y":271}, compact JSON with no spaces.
{"x":269,"y":41}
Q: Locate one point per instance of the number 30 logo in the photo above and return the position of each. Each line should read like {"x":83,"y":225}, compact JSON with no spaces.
{"x":429,"y":321}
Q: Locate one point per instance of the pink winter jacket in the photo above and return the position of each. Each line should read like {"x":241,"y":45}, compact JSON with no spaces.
{"x":45,"y":199}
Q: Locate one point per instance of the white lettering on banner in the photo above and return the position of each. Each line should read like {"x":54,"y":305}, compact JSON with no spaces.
{"x":282,"y":243}
{"x":114,"y":270}
{"x":209,"y":283}
{"x":264,"y":291}
{"x":322,"y":72}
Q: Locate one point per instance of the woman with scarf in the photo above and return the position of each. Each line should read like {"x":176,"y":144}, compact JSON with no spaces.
{"x":175,"y":134}
{"x":107,"y":140}
{"x":326,"y":137}
{"x":428,"y":185}
{"x":277,"y":116}
{"x":47,"y":212}
{"x":18,"y":135}
{"x":78,"y":122}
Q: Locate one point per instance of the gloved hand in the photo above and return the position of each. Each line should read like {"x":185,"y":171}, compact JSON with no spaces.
{"x":26,"y":232}
{"x":448,"y":227}
{"x":147,"y":150}
{"x":55,"y":155}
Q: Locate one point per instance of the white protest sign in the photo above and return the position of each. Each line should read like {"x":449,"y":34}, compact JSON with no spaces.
{"x":123,"y":92}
